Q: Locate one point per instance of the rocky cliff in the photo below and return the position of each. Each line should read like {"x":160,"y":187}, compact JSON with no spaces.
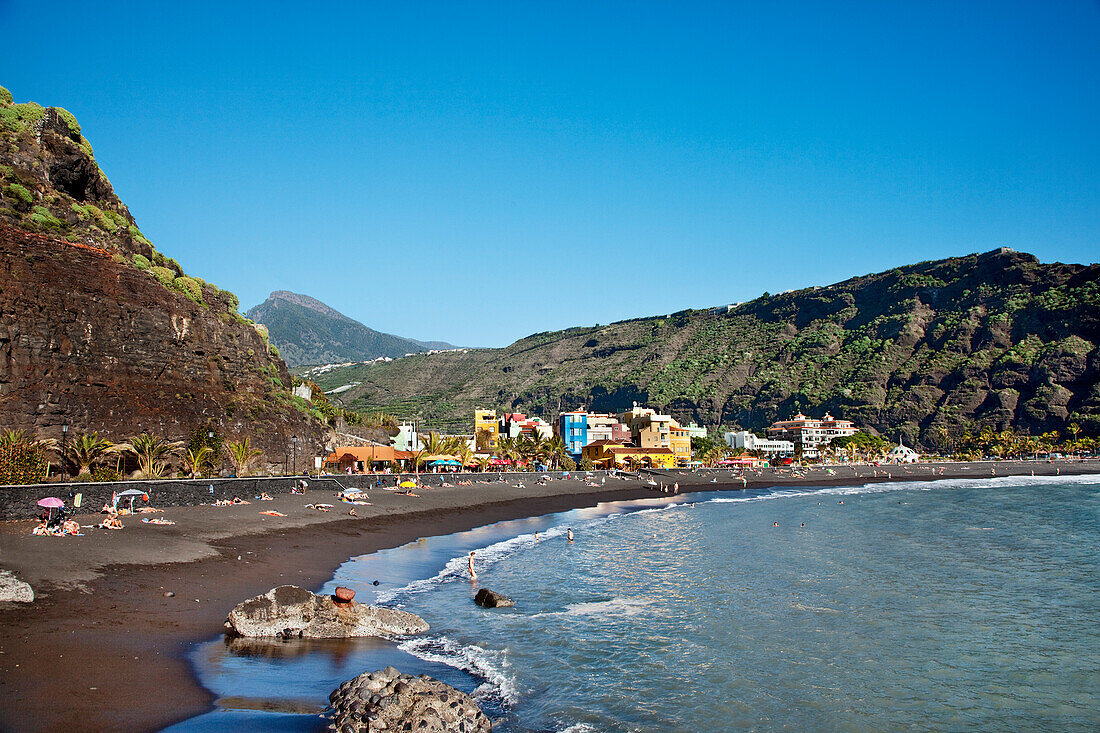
{"x":99,"y":330}
{"x":926,"y":351}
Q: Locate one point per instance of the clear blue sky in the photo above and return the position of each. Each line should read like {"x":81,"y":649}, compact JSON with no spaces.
{"x":476,"y":172}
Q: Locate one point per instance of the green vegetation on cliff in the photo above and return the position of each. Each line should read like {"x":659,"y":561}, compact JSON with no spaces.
{"x":996,"y":340}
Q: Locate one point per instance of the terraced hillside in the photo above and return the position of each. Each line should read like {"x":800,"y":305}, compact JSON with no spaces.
{"x":923,"y":351}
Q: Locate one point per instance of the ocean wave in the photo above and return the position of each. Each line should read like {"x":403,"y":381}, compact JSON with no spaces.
{"x":489,"y":666}
{"x":579,"y":728}
{"x":933,"y":485}
{"x":484,"y":558}
{"x":619,"y":607}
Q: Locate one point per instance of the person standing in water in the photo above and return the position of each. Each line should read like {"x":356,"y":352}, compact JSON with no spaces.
{"x":569,"y":534}
{"x":470,"y":565}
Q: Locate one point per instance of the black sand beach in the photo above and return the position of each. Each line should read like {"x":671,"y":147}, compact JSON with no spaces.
{"x":102,"y":647}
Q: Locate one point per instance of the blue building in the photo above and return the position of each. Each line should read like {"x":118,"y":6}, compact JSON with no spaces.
{"x":573,"y":429}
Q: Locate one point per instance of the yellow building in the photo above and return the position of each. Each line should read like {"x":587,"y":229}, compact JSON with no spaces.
{"x":611,"y":454}
{"x":486,"y":423}
{"x":680,"y":443}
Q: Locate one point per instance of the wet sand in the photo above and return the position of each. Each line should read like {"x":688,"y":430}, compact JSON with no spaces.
{"x":102,"y":648}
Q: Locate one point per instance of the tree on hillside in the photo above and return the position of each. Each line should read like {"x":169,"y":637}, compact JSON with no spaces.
{"x":86,"y":450}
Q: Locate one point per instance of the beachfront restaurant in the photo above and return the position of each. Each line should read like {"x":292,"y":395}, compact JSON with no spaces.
{"x":613,"y":454}
{"x":359,"y":459}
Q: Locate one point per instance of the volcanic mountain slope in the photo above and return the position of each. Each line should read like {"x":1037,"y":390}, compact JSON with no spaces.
{"x":307,"y":331}
{"x":925,"y":351}
{"x":99,"y":330}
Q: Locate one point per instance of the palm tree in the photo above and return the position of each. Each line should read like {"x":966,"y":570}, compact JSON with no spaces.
{"x":483,"y":464}
{"x":241,"y":454}
{"x":556,"y":451}
{"x":464,"y":454}
{"x":152,"y":452}
{"x":88,"y":448}
{"x":194,"y":460}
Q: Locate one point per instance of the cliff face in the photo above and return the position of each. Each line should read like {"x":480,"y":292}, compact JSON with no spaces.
{"x":100,"y":331}
{"x":926,"y":351}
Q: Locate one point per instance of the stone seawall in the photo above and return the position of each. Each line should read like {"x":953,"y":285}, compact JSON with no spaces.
{"x":20,"y":502}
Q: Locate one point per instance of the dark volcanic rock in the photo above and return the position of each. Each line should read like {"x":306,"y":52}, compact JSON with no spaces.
{"x":389,"y":700}
{"x":100,"y":345}
{"x":289,"y":611}
{"x":491,"y":599}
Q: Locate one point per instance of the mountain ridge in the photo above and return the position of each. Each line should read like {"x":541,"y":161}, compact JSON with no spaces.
{"x":995,"y":339}
{"x":309,"y":332}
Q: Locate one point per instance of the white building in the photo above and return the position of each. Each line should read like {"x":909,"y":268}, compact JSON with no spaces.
{"x":750,"y":441}
{"x":304,"y":391}
{"x":902,"y":454}
{"x":695,"y":431}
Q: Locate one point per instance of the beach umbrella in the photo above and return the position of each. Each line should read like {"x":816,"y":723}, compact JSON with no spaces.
{"x":132,"y":493}
{"x":408,"y":484}
{"x":50,"y":503}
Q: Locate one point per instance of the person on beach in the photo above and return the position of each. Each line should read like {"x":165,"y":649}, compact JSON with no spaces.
{"x":470,"y":565}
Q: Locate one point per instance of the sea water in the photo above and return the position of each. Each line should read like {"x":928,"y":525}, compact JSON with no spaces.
{"x":943,"y":605}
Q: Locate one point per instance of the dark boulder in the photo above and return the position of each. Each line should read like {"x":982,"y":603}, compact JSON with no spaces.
{"x":491,"y":599}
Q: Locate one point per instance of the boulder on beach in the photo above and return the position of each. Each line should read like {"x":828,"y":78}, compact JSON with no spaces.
{"x":491,"y":599}
{"x":390,"y":700}
{"x":289,"y":611}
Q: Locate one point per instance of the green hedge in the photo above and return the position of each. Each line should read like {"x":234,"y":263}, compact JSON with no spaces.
{"x":21,"y":463}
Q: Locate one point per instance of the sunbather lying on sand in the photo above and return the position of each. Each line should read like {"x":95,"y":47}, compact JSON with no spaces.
{"x":265,"y":497}
{"x":273,"y":513}
{"x":147,"y":510}
{"x":111,"y":523}
{"x":157,"y":520}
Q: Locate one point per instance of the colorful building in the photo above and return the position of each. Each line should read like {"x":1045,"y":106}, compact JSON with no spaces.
{"x":610,"y":454}
{"x":680,"y":443}
{"x":811,"y":434}
{"x":486,"y":423}
{"x":573,"y":431}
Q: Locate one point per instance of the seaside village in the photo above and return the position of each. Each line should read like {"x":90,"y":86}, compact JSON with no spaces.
{"x":640,"y":438}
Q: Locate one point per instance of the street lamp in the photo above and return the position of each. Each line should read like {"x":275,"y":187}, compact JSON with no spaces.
{"x":64,"y":448}
{"x":293,"y":455}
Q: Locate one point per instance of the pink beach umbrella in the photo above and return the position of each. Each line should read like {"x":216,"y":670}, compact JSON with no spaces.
{"x":51,"y":503}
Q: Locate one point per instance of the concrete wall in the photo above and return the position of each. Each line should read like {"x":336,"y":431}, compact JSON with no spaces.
{"x":20,"y":502}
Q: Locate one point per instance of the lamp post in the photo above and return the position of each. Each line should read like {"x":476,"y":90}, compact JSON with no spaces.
{"x":64,"y":449}
{"x":293,"y":454}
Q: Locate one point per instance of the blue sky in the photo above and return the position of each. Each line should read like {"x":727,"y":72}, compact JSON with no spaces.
{"x":476,"y":172}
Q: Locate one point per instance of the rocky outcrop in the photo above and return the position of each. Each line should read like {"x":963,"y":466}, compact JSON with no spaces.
{"x":491,"y":599}
{"x":389,"y":700}
{"x":289,"y":611}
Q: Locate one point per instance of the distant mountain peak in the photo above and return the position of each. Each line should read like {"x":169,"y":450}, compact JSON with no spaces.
{"x":307,"y":332}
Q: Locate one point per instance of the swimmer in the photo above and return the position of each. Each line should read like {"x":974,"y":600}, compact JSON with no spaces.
{"x":536,"y":536}
{"x":470,"y":565}
{"x":775,"y":524}
{"x":569,"y":534}
{"x":803,"y":524}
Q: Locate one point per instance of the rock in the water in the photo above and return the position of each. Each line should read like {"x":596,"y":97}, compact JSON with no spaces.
{"x":289,"y":611}
{"x":491,"y":599}
{"x":389,"y":700}
{"x":14,"y":590}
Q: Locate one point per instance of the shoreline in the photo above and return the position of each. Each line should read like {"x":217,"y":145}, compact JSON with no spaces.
{"x":102,"y":648}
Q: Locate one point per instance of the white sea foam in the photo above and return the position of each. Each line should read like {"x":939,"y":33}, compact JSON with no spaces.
{"x":485,"y":557}
{"x":934,"y":485}
{"x":579,"y":728}
{"x":617,"y":607}
{"x":489,"y":666}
